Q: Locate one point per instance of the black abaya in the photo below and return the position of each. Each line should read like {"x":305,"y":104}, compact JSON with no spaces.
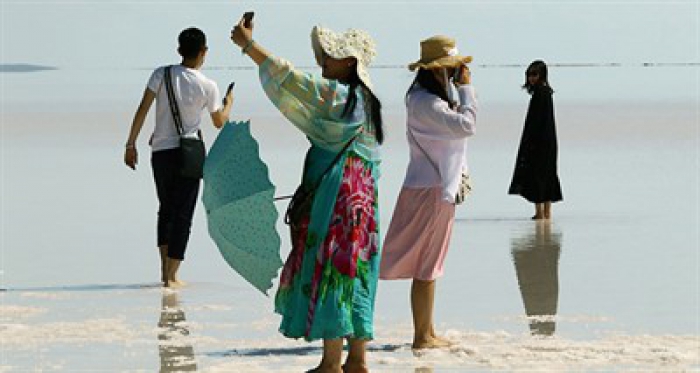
{"x":535,"y":176}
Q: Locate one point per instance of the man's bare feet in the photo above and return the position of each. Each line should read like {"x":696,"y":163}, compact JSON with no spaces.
{"x":538,"y":217}
{"x":172,"y":280}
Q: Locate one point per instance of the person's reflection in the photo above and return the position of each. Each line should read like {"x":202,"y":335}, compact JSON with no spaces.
{"x":536,"y":258}
{"x":176,"y":354}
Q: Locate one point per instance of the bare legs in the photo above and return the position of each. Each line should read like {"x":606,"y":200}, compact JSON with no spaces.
{"x":172,"y":281}
{"x":332,"y":354}
{"x":539,"y":211}
{"x":163,"y":264}
{"x":548,"y":210}
{"x":168,"y":269}
{"x":356,"y":361}
{"x":543,"y":211}
{"x":422,"y":302}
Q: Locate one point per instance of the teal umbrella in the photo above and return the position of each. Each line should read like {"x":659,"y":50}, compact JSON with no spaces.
{"x":241,"y":215}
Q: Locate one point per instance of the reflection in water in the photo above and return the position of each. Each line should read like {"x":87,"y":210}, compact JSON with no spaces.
{"x":176,"y":354}
{"x":536,"y":257}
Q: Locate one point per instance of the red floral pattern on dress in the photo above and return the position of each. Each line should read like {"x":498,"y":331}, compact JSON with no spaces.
{"x":352,"y":233}
{"x":352,"y":237}
{"x":353,"y":228}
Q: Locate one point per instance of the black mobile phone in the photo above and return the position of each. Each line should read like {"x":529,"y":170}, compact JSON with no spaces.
{"x":247,"y":18}
{"x":228,"y":90}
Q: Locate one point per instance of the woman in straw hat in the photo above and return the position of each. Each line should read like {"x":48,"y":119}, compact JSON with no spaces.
{"x":328,"y":283}
{"x":437,"y":129}
{"x":535,"y":175}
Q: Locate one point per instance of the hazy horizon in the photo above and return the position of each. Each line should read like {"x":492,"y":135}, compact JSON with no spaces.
{"x":105,"y":50}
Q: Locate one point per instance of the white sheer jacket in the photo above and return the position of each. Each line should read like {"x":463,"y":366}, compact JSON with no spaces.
{"x":442,"y":133}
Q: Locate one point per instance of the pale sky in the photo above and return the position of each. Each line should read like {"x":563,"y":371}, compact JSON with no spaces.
{"x":88,"y":38}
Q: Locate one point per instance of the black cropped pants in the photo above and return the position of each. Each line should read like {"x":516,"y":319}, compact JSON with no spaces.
{"x":178,"y":197}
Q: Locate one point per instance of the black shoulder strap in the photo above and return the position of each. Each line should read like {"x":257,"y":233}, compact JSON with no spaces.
{"x":173,"y":102}
{"x":335,"y":160}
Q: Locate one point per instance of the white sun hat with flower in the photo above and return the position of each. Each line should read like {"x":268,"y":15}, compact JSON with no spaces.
{"x":352,"y":43}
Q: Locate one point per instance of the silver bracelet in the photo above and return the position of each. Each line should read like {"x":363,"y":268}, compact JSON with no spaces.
{"x":131,"y":146}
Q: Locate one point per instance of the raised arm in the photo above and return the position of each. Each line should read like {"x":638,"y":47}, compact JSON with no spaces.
{"x":313,"y":104}
{"x":319,"y":93}
{"x":243,"y":37}
{"x":439,"y":120}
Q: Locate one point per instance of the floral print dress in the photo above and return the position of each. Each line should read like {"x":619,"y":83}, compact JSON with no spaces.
{"x":329,"y":281}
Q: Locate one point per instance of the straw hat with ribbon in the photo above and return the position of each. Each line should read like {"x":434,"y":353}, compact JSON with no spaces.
{"x":437,"y":52}
{"x":351,"y":43}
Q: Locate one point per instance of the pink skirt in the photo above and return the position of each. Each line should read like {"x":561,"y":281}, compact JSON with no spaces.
{"x":416,"y":243}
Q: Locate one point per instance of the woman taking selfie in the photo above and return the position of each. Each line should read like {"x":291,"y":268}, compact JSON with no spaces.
{"x":328,"y":283}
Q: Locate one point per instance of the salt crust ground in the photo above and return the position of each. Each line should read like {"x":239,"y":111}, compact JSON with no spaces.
{"x":474,"y":351}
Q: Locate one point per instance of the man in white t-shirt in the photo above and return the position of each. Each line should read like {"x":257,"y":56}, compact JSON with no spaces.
{"x":177,"y":195}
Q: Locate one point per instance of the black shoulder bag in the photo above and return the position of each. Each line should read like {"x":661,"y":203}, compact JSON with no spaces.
{"x":192,"y":149}
{"x":300,"y":205}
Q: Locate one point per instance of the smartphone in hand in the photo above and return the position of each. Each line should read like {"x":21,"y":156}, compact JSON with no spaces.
{"x":247,"y":18}
{"x":228,"y":91}
{"x":459,"y":73}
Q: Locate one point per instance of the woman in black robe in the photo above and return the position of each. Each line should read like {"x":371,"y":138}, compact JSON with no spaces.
{"x":535,"y":176}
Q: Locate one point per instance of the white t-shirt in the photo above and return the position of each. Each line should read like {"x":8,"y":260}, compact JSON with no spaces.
{"x":193,"y":92}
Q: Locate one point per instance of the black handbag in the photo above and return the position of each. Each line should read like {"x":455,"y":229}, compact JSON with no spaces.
{"x":300,"y":205}
{"x":303,"y":198}
{"x":192,"y":149}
